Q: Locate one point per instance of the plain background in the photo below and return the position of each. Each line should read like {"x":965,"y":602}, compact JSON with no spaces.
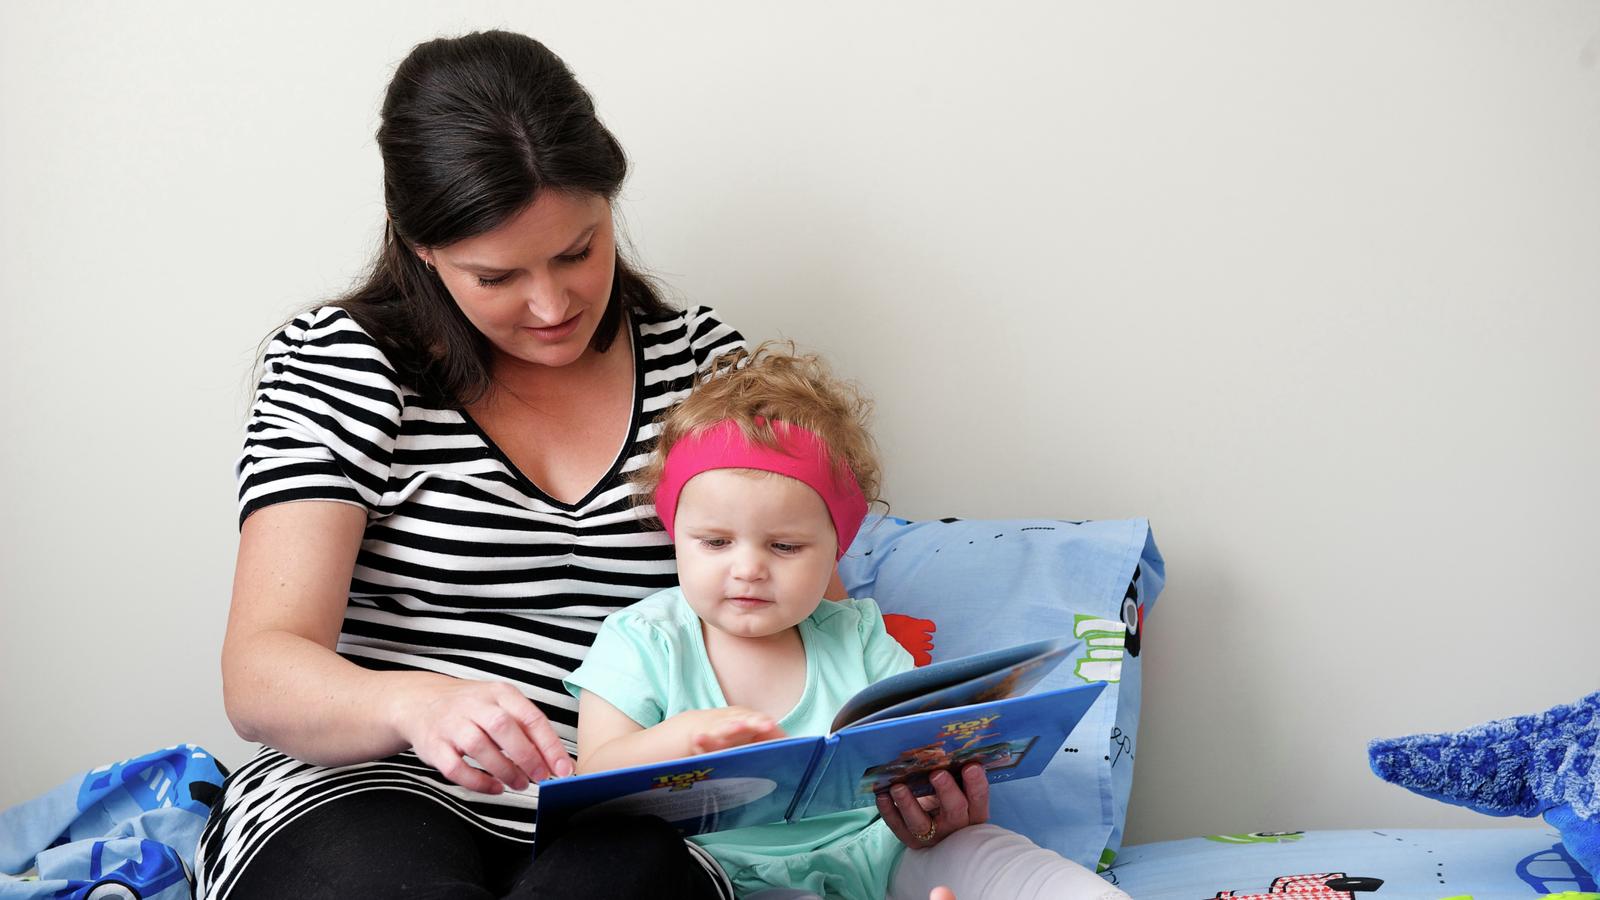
{"x":1313,"y":286}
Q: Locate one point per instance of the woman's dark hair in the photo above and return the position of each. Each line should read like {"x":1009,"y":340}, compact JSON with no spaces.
{"x":473,"y":129}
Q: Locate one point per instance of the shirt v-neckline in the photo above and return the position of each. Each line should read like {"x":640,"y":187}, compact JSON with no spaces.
{"x":623,"y":453}
{"x":717,"y":694}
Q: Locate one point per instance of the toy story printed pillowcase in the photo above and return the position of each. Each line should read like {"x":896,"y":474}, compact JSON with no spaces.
{"x":954,"y":587}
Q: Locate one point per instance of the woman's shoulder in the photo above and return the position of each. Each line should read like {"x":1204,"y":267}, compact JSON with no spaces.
{"x":699,"y":326}
{"x":676,"y":336}
{"x":325,"y":326}
{"x":330,"y":339}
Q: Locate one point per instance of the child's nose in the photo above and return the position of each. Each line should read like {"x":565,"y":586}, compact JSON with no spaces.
{"x":748,"y":566}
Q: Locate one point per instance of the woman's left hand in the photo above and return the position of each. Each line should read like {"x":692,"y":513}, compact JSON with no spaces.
{"x":920,"y":824}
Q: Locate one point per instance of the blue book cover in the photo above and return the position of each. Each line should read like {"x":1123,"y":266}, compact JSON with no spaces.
{"x":899,"y":730}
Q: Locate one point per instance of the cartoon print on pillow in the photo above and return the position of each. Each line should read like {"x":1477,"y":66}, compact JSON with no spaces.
{"x":916,"y":635}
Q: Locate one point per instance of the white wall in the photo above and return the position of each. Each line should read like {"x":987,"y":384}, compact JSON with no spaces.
{"x":1313,"y":286}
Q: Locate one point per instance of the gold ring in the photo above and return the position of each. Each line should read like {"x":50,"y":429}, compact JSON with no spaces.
{"x":926,"y":836}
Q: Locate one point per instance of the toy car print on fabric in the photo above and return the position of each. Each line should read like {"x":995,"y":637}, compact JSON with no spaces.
{"x":1321,"y":886}
{"x":1107,"y":642}
{"x":1132,"y":615}
{"x":1103,"y":640}
{"x":1555,"y":870}
{"x":1258,"y":837}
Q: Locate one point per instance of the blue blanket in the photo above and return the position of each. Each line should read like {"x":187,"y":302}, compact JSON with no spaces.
{"x":130,"y":825}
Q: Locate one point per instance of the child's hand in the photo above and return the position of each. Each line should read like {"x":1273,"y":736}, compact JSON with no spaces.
{"x":731,"y":726}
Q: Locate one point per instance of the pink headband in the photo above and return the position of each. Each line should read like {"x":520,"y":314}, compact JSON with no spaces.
{"x":800,"y":455}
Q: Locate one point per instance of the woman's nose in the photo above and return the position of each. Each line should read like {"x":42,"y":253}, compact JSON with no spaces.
{"x":548,"y":301}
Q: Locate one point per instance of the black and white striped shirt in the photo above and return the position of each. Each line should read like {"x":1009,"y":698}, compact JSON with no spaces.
{"x":466,"y":568}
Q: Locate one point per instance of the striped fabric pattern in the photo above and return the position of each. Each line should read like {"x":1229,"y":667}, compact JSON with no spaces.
{"x":467,"y":568}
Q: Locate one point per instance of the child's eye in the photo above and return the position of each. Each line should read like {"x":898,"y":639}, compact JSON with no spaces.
{"x":491,"y":282}
{"x":714,"y":543}
{"x":786,"y":548}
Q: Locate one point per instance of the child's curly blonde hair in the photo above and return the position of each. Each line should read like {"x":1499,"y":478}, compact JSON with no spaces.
{"x":772,"y":383}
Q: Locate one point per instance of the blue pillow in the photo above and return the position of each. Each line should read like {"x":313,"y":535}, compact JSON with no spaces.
{"x":954,"y":587}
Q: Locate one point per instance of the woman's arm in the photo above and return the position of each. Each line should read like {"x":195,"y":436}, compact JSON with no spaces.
{"x":608,"y":739}
{"x":284,"y":685}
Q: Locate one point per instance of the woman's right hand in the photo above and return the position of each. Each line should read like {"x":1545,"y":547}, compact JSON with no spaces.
{"x":285,"y":685}
{"x":446,"y":720}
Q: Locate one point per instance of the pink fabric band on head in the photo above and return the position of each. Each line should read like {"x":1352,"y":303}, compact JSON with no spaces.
{"x":800,"y":455}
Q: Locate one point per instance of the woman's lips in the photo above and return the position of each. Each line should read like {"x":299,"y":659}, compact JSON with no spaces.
{"x":553,"y":333}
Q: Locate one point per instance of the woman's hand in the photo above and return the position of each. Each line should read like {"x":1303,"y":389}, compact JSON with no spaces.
{"x":447,"y":719}
{"x":920,"y":824}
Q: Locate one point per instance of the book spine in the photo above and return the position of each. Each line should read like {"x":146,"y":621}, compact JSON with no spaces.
{"x":808,"y":785}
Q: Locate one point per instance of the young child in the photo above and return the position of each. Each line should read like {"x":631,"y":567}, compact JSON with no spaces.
{"x":762,"y":477}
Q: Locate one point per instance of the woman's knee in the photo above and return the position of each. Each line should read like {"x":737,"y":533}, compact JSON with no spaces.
{"x":373,"y":844}
{"x":621,"y":856}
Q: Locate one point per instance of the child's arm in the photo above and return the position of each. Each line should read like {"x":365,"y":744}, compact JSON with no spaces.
{"x":608,"y":739}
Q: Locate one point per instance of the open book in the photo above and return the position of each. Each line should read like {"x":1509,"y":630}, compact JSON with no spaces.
{"x":900,"y":729}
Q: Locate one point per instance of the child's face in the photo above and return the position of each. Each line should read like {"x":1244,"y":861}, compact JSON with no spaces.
{"x":755,"y":550}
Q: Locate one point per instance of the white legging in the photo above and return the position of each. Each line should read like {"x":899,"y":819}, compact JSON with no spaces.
{"x":987,"y":862}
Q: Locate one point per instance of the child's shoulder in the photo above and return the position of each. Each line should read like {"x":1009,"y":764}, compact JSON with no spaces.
{"x":665,"y":610}
{"x":849,"y":614}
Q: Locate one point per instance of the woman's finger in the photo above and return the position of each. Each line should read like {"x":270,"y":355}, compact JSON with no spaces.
{"x":508,"y":735}
{"x":552,"y":753}
{"x":952,"y":809}
{"x":891,"y":817}
{"x":976,"y":782}
{"x":472,"y":741}
{"x":917,"y":821}
{"x":443,"y":757}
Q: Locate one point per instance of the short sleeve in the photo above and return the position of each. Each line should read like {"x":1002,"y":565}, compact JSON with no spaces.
{"x":325,"y":418}
{"x":883,"y":654}
{"x":710,"y":337}
{"x":623,"y":668}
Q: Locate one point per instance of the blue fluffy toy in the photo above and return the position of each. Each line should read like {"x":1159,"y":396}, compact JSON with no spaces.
{"x":1541,"y":764}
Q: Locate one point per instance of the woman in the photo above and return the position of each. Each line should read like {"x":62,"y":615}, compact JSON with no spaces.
{"x":454,"y":435}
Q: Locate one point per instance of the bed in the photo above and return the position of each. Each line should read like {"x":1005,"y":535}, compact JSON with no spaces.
{"x":952,"y":587}
{"x":1383,"y":864}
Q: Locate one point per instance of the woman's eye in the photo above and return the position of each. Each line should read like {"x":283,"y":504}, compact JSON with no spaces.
{"x":578,"y":257}
{"x":491,"y":282}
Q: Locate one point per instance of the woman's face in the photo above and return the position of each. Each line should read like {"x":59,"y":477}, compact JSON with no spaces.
{"x":537,"y":285}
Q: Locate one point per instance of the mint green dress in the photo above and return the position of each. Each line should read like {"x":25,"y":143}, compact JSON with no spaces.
{"x":649,"y":661}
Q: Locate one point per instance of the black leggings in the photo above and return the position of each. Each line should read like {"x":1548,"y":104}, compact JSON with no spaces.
{"x":388,"y":843}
